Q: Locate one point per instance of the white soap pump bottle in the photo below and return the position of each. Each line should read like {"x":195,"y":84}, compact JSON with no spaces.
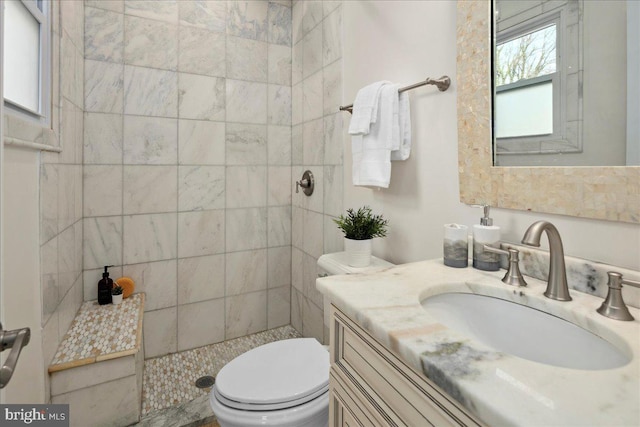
{"x":486,"y":233}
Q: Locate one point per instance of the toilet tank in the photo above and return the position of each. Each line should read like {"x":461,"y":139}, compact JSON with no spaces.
{"x":336,"y":263}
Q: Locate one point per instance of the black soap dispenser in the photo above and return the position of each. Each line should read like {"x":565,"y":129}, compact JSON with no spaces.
{"x":104,"y":287}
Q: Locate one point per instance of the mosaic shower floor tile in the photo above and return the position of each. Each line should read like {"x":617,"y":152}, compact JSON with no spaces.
{"x":170,"y":380}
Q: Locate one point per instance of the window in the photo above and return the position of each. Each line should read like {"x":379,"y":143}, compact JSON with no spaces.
{"x":538,"y":73}
{"x":26,"y":58}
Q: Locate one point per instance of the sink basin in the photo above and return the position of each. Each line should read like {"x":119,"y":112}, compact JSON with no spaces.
{"x":524,"y":332}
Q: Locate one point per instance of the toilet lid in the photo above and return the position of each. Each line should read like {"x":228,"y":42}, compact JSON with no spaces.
{"x":275,"y":376}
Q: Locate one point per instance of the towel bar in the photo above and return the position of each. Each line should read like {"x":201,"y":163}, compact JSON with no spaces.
{"x":442,"y":84}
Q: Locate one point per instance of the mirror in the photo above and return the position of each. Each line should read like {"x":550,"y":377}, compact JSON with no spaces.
{"x":603,"y":192}
{"x":561,"y":92}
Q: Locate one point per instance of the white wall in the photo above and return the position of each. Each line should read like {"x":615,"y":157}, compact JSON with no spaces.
{"x":407,"y":41}
{"x":21,"y":304}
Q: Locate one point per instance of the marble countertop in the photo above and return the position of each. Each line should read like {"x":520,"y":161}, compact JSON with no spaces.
{"x":498,"y":388}
{"x":101,"y":332}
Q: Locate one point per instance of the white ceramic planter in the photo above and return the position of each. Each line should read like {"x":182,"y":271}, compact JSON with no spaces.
{"x":358,"y":252}
{"x":116,"y":299}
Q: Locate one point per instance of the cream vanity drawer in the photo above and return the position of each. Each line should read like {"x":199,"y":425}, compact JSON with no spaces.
{"x":390,"y":387}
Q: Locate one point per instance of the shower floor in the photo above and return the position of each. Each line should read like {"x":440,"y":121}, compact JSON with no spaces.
{"x":169,"y":381}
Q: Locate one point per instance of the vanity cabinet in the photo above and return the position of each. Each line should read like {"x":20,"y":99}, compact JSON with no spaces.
{"x":370,"y":386}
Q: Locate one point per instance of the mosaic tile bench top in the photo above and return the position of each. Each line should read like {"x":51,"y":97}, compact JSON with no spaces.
{"x":101,"y":332}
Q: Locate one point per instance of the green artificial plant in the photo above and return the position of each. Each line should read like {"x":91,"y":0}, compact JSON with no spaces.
{"x":116,"y":290}
{"x":362,"y":224}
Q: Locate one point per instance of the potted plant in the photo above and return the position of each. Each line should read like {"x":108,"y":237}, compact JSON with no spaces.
{"x":116,"y":294}
{"x":359,"y":228}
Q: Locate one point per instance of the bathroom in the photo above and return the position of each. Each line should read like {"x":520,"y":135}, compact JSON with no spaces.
{"x":125,"y":178}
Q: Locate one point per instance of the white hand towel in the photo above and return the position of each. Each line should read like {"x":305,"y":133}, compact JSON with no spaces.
{"x":404,"y":119}
{"x":365,"y":108}
{"x":372,"y":152}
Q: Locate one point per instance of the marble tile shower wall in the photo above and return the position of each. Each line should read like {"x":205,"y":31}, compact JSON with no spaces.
{"x":61,"y":182}
{"x":187,"y":163}
{"x":317,"y":146}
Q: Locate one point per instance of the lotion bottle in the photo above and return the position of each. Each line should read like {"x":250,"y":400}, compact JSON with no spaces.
{"x":104,"y":287}
{"x":486,"y":233}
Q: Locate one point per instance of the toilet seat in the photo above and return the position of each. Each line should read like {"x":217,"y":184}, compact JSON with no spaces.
{"x":279,"y":375}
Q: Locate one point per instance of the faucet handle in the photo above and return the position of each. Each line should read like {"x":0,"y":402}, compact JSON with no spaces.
{"x":513,"y":276}
{"x":613,"y":305}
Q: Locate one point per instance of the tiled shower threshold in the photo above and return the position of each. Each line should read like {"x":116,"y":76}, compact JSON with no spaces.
{"x":169,"y":394}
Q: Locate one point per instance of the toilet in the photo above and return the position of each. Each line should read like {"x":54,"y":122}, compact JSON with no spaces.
{"x":283,"y":383}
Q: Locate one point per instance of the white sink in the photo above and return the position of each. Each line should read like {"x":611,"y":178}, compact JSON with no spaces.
{"x":523,"y":331}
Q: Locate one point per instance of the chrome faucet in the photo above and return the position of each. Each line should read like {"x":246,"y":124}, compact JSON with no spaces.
{"x":557,"y":287}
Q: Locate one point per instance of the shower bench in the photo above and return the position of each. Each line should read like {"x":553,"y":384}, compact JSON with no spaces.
{"x":98,"y":366}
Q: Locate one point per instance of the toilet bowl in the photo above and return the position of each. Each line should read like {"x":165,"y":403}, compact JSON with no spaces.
{"x":283,"y":383}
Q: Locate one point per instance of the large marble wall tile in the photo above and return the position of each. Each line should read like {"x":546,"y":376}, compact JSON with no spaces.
{"x":48,"y":202}
{"x":201,"y":188}
{"x":77,"y":226}
{"x":297,"y":301}
{"x":246,"y":186}
{"x":297,"y":53}
{"x":246,"y":59}
{"x":297,"y":101}
{"x":165,"y":10}
{"x":312,"y":321}
{"x":69,"y":304}
{"x":150,"y":43}
{"x":312,"y":52}
{"x":49,"y":278}
{"x":296,"y":144}
{"x":103,"y":35}
{"x":313,"y":233}
{"x":312,"y":102}
{"x":211,"y":15}
{"x":102,"y":190}
{"x":246,"y":102}
{"x":245,"y":314}
{"x":279,"y":307}
{"x":102,"y":242}
{"x":102,"y":138}
{"x":201,"y":97}
{"x":333,"y":145}
{"x":279,"y":105}
{"x":149,"y":238}
{"x":329,"y":6}
{"x":333,"y":189}
{"x":332,"y":37}
{"x":279,"y":226}
{"x":67,"y":67}
{"x":160,"y":332}
{"x":201,"y":278}
{"x":297,"y":11}
{"x":202,"y":51}
{"x":279,"y":68}
{"x":158,"y":280}
{"x":279,"y":267}
{"x":246,"y":272}
{"x":246,"y":229}
{"x":312,"y":15}
{"x":247,"y":19}
{"x":280,"y":183}
{"x":279,"y":145}
{"x":297,"y":224}
{"x":68,"y":187}
{"x":332,"y":88}
{"x":333,"y":236}
{"x":150,"y":140}
{"x":201,"y":142}
{"x":279,"y":24}
{"x":150,"y":189}
{"x":246,"y":144}
{"x":150,"y":92}
{"x":310,"y":274}
{"x":68,"y":132}
{"x":201,"y":233}
{"x":103,"y":87}
{"x":200,"y":324}
{"x":77,"y":193}
{"x":112,"y":5}
{"x":312,"y":142}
